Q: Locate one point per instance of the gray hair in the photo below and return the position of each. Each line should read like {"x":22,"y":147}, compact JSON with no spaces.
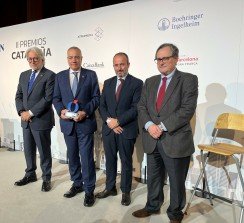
{"x":38,"y":52}
{"x":75,"y":48}
{"x":174,"y":49}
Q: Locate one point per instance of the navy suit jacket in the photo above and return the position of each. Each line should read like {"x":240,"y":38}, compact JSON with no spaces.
{"x":125,"y":110}
{"x":39,"y":100}
{"x":87,"y":95}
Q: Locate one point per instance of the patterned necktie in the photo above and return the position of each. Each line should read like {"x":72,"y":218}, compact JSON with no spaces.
{"x":117,"y":94}
{"x":31,"y":81}
{"x":161,"y":94}
{"x":75,"y":83}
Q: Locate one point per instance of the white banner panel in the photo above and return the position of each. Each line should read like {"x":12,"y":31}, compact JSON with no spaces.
{"x":210,"y":37}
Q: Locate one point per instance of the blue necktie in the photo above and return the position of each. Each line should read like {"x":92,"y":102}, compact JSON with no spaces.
{"x":75,"y":83}
{"x":31,"y":81}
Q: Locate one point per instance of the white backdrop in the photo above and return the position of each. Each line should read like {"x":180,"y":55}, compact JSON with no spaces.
{"x":209,"y":34}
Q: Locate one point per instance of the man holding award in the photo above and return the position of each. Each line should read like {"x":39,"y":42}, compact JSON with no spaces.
{"x":76,"y":97}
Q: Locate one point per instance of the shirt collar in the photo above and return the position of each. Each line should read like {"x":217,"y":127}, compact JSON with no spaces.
{"x":122,"y":77}
{"x":71,"y":71}
{"x":169,"y":76}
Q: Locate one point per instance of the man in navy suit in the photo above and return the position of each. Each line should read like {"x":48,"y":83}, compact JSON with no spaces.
{"x":118,"y":109}
{"x":77,"y":90}
{"x":34,"y":105}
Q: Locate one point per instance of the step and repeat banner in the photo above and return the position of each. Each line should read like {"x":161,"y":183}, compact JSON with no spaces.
{"x":208,"y":33}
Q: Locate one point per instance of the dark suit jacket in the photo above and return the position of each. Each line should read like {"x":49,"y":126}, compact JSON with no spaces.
{"x":87,"y":95}
{"x":39,"y":100}
{"x":176,"y":112}
{"x":125,"y":110}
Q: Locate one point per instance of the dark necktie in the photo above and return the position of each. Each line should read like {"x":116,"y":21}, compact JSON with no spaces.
{"x":31,"y":81}
{"x":117,"y":94}
{"x":161,"y":94}
{"x":75,"y":83}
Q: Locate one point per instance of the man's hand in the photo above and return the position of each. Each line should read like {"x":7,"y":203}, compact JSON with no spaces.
{"x":118,"y":130}
{"x":62,"y":116}
{"x":113,"y":123}
{"x":25,"y":116}
{"x":155,"y":131}
{"x":80,"y":116}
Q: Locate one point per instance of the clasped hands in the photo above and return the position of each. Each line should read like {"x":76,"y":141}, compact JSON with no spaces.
{"x":155,"y":131}
{"x":25,"y":116}
{"x":114,"y":125}
{"x":80,"y":115}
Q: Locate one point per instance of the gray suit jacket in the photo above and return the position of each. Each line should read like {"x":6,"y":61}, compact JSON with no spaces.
{"x":176,"y":112}
{"x":39,"y":100}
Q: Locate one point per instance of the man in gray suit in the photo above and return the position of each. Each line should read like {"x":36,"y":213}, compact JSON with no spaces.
{"x":34,"y":106}
{"x":167,"y":104}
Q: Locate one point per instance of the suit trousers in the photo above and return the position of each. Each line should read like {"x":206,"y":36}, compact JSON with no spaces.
{"x":112,"y":144}
{"x":157,"y":164}
{"x":42,"y":140}
{"x":80,"y":150}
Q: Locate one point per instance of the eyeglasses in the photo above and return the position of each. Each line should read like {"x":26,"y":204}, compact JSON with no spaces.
{"x":163,"y":59}
{"x":73,"y":57}
{"x":34,"y":59}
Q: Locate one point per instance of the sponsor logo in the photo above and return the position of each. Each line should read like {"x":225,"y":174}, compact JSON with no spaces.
{"x":93,"y":65}
{"x":163,"y":24}
{"x":1,"y":47}
{"x":97,"y":34}
{"x":185,"y":60}
{"x":39,"y":42}
{"x":180,"y":22}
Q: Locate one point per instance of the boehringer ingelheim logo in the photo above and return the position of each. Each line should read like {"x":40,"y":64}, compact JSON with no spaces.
{"x":163,"y":24}
{"x":98,"y":33}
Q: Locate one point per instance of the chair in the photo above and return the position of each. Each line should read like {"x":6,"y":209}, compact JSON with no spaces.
{"x":226,"y":121}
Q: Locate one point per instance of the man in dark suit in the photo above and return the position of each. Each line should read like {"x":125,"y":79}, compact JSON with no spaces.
{"x":77,"y":90}
{"x":166,"y":107}
{"x":118,"y":109}
{"x":34,"y":105}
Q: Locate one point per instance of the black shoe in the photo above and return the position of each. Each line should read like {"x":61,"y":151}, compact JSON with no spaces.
{"x":126,"y":200}
{"x":46,"y":186}
{"x":73,"y":191}
{"x":107,"y":193}
{"x":25,"y":181}
{"x":89,"y":200}
{"x":143,"y":213}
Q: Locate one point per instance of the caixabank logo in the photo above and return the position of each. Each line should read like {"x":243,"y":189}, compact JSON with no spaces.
{"x":180,"y":22}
